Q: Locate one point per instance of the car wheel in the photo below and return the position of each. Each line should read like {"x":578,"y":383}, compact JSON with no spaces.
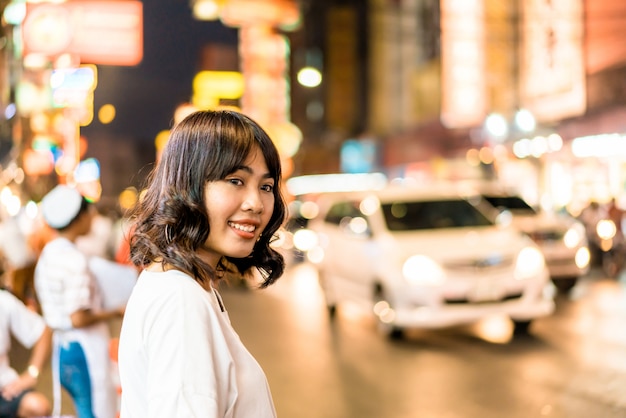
{"x":566,"y":284}
{"x":396,"y":333}
{"x":392,"y":331}
{"x":331,"y":305}
{"x":521,"y":327}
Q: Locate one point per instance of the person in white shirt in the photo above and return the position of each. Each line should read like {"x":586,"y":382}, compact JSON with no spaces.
{"x":211,"y":207}
{"x":19,"y":255}
{"x":17,"y":395}
{"x":72,"y":305}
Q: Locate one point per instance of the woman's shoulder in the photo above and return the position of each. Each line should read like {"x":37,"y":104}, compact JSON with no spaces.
{"x":169,"y":292}
{"x":170,"y":282}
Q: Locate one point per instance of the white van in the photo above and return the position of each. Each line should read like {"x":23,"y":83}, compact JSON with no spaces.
{"x":426,"y":259}
{"x":561,"y":238}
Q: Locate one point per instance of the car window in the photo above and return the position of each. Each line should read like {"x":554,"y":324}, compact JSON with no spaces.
{"x":512,"y":203}
{"x":437,"y":214}
{"x":342,"y":210}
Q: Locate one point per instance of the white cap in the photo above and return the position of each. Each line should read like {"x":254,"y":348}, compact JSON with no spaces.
{"x":60,"y":206}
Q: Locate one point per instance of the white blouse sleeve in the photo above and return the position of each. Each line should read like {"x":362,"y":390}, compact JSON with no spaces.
{"x":190,"y":371}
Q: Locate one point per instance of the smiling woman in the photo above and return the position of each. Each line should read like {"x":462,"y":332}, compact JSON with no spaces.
{"x":212,"y":207}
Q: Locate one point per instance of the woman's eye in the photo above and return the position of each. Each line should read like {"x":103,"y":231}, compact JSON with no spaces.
{"x":236,"y":182}
{"x":267,"y":187}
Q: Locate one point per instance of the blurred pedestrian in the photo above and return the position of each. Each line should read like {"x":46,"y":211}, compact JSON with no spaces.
{"x":212,"y":206}
{"x":98,"y":242}
{"x":590,"y":216}
{"x":20,"y":258}
{"x":72,"y":305}
{"x":616,"y":214}
{"x":17,"y":395}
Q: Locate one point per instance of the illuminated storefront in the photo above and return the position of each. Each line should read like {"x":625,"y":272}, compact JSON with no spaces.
{"x":556,"y":60}
{"x":54,"y":48}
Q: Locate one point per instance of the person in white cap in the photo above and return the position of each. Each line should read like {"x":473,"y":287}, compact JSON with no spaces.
{"x":72,"y":306}
{"x":17,"y":396}
{"x":212,"y":207}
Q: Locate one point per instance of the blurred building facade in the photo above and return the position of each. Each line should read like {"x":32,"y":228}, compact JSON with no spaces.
{"x":410,"y":85}
{"x":420,"y":78}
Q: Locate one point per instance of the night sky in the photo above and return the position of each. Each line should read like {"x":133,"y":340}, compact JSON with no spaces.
{"x":147,"y":95}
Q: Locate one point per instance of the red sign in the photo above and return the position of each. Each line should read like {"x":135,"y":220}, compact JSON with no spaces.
{"x":99,"y":32}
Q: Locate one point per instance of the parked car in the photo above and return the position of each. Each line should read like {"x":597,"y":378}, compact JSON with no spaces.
{"x":293,"y":239}
{"x":561,"y":237}
{"x":426,"y":259}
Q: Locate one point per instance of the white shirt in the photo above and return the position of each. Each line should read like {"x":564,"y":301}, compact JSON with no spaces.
{"x":17,"y":320}
{"x":14,"y":244}
{"x":65,"y":285}
{"x":180,"y":357}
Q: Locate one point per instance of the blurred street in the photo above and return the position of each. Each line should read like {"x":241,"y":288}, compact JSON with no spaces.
{"x":518,"y":101}
{"x":572,"y":365}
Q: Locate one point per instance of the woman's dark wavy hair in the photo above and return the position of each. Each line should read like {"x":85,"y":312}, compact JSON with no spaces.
{"x":170,"y":222}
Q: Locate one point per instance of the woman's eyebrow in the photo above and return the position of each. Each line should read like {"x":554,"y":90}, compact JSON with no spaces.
{"x":249,"y":170}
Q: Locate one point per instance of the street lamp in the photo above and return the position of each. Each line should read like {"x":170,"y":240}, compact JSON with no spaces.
{"x":525,"y":121}
{"x":206,"y":9}
{"x":496,"y":127}
{"x":309,"y":77}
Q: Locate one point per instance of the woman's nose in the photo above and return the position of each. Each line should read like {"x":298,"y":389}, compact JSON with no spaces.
{"x":253,"y":202}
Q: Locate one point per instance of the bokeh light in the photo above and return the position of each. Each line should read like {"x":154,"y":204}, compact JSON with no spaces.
{"x":106,"y":114}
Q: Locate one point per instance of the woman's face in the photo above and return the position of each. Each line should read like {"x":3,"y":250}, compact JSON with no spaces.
{"x":239,"y":207}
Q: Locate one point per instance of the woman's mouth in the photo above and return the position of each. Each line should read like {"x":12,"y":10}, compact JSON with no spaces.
{"x":244,"y":230}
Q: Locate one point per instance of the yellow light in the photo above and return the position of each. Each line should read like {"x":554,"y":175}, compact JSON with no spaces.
{"x":206,"y":9}
{"x":161,"y":139}
{"x":486,"y":155}
{"x":39,"y":122}
{"x":583,"y":257}
{"x":183,"y":111}
{"x":287,"y":138}
{"x":606,"y":229}
{"x":222,"y":84}
{"x":106,"y":114}
{"x":128,"y":198}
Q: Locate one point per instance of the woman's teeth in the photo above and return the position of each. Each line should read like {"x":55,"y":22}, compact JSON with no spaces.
{"x":245,"y":228}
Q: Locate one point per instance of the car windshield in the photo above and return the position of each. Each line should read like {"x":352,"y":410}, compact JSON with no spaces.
{"x":512,"y":203}
{"x":436,"y":214}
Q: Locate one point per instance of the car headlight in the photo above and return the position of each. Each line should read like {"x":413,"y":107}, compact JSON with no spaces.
{"x":421,"y":270}
{"x":315,"y":255}
{"x":304,"y":239}
{"x":529,"y":263}
{"x":574,"y":236}
{"x":582,"y":258}
{"x":606,"y":229}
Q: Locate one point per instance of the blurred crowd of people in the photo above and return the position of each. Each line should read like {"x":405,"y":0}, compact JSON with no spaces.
{"x":605,"y":224}
{"x":22,"y":240}
{"x":595,"y":212}
{"x":52,"y":304}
